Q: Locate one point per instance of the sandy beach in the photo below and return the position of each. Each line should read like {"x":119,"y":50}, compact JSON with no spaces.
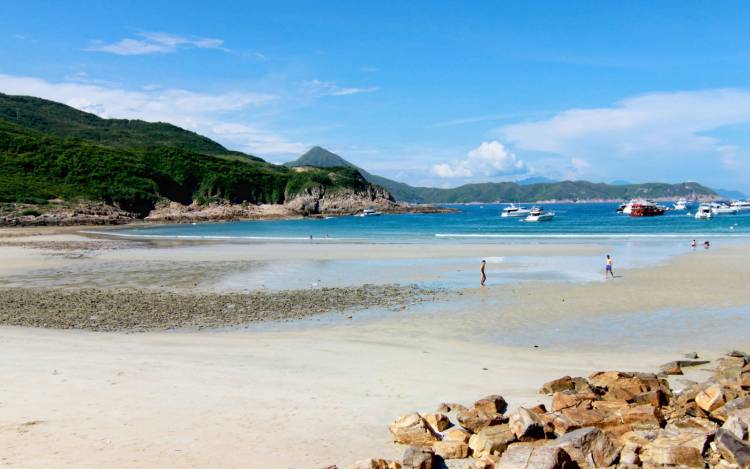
{"x":322,"y":390}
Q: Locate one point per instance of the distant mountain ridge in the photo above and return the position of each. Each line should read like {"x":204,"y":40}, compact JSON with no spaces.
{"x":521,"y":191}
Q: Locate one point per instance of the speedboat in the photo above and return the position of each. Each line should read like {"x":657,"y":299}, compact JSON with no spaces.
{"x":723,"y":209}
{"x":741,"y":205}
{"x":704,"y":213}
{"x":513,"y":211}
{"x":681,"y":204}
{"x":646,"y":208}
{"x":538,"y":214}
{"x":368,"y":212}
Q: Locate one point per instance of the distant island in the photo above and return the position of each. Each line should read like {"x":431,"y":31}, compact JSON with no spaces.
{"x":60,"y":165}
{"x":529,"y":190}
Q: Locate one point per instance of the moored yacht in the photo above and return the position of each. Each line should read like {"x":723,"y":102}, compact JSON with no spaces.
{"x":681,"y":204}
{"x":646,"y":208}
{"x":723,"y":209}
{"x":741,"y":205}
{"x":538,"y":214}
{"x":369,"y":212}
{"x":704,"y":212}
{"x":514,"y":211}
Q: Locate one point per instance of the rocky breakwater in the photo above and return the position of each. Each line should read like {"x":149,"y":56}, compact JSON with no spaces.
{"x":610,"y":419}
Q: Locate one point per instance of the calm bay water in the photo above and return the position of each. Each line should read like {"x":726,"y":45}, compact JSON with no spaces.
{"x":471,"y":222}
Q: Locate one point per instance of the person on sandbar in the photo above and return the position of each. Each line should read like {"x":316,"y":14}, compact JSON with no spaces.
{"x":482,"y":275}
{"x":608,"y":268}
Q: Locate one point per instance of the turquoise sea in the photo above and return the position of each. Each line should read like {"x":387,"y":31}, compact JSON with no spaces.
{"x":479,"y":223}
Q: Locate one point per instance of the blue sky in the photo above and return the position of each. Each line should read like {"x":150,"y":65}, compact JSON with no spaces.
{"x":431,"y":93}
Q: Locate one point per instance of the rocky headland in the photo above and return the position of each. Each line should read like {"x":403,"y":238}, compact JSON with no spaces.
{"x":612,"y":419}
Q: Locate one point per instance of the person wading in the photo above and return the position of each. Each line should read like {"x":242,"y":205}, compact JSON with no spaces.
{"x":482,"y":275}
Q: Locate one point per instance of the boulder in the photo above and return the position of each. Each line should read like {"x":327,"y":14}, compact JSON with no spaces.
{"x":565,"y":399}
{"x":557,"y":385}
{"x":736,"y":354}
{"x":744,"y":380}
{"x":411,"y":429}
{"x":451,"y":449}
{"x":675,"y":449}
{"x":417,"y":457}
{"x":738,"y":426}
{"x":589,"y":446}
{"x":725,"y":411}
{"x":710,"y":398}
{"x":539,"y":409}
{"x":474,"y":419}
{"x":447,"y":407}
{"x":671,"y":368}
{"x":491,"y":440}
{"x":692,"y":425}
{"x":525,"y":456}
{"x":655,"y":398}
{"x":491,"y":404}
{"x":526,"y":425}
{"x":456,"y":434}
{"x":437,"y":421}
{"x":732,"y":448}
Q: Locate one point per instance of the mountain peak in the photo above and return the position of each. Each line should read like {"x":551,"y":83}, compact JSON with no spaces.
{"x":319,"y":157}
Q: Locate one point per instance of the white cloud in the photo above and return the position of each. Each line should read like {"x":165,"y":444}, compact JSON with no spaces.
{"x":214,"y":115}
{"x":155,"y":43}
{"x":654,"y":124}
{"x":489,"y":159}
{"x":317,"y":88}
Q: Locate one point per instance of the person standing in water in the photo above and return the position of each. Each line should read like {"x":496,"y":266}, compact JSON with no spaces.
{"x":608,"y":268}
{"x":692,"y":245}
{"x":482,"y":275}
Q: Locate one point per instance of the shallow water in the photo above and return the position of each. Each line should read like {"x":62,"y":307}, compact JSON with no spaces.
{"x":472,"y":223}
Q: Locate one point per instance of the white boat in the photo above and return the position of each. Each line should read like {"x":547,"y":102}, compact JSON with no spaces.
{"x":741,"y":205}
{"x":681,"y":204}
{"x":368,"y":212}
{"x":513,"y":211}
{"x":723,"y":209}
{"x":538,"y":214}
{"x":704,"y":213}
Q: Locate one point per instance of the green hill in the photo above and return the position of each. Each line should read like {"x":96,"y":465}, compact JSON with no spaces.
{"x":49,"y":150}
{"x":509,"y":191}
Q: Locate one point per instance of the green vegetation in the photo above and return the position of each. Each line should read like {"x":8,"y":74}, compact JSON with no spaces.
{"x":509,"y":191}
{"x":48,"y":150}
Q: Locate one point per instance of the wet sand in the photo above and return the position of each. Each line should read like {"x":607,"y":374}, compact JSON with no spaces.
{"x":322,"y":390}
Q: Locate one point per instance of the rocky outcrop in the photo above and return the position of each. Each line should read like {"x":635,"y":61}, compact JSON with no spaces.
{"x":59,"y":213}
{"x":339,"y":201}
{"x":610,"y":419}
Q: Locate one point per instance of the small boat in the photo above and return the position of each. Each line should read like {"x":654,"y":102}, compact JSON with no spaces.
{"x":369,"y":212}
{"x":741,"y":205}
{"x":625,"y":209}
{"x":681,"y":204}
{"x":538,"y":214}
{"x":513,"y":211}
{"x":704,"y":213}
{"x":723,"y":209}
{"x":646,"y":209}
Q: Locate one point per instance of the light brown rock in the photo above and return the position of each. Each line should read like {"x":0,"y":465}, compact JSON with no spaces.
{"x":451,"y":449}
{"x":525,"y":456}
{"x":671,"y":368}
{"x":675,"y":449}
{"x":447,"y":407}
{"x":411,"y":429}
{"x":710,"y":398}
{"x":491,"y":404}
{"x":557,"y":385}
{"x":375,"y":464}
{"x":725,"y":411}
{"x":456,"y":434}
{"x":739,"y":424}
{"x":474,"y":419}
{"x":437,"y":421}
{"x":589,"y":446}
{"x":526,"y":425}
{"x":566,"y":399}
{"x":692,"y":424}
{"x":416,"y":457}
{"x":491,"y":440}
{"x":732,"y":448}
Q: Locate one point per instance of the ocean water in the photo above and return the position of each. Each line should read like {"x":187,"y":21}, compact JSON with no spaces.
{"x":479,"y":223}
